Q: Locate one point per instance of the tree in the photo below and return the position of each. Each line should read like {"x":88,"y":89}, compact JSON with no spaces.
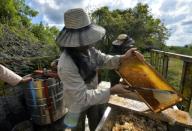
{"x":45,"y":34}
{"x":7,"y":10}
{"x":137,"y":22}
{"x":16,"y":12}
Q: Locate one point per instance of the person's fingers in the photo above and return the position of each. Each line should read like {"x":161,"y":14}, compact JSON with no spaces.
{"x":125,"y":89}
{"x":139,"y":55}
{"x":133,"y":49}
{"x":129,"y":52}
{"x":124,"y":93}
{"x":27,"y":79}
{"x":119,"y":89}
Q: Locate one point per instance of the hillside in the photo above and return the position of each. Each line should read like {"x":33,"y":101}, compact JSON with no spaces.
{"x":19,"y":49}
{"x":24,"y":46}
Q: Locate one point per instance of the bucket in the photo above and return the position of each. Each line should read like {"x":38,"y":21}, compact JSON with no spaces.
{"x":44,"y":99}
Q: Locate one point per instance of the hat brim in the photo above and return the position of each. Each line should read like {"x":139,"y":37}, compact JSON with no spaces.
{"x":80,"y":37}
{"x":117,"y":42}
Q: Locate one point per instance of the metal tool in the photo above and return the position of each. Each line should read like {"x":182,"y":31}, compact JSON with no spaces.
{"x":135,"y":88}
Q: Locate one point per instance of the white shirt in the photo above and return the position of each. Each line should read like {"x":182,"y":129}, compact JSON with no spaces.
{"x":78,"y":95}
{"x":9,"y":76}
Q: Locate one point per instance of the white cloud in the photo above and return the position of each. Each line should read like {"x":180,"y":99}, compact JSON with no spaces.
{"x":174,"y":20}
{"x":176,"y":14}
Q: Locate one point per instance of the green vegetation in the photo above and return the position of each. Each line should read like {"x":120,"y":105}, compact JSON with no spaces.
{"x":175,"y":72}
{"x":187,"y":50}
{"x":20,"y":40}
{"x":16,"y":13}
{"x":175,"y":65}
{"x":138,"y":22}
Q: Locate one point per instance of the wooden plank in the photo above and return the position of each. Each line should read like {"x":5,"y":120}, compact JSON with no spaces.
{"x":187,"y":85}
{"x":151,"y":58}
{"x":156,"y":61}
{"x":186,"y":58}
{"x":190,"y":108}
{"x":172,"y":116}
{"x":183,"y":76}
{"x":160,"y":62}
{"x":165,"y":65}
{"x":128,"y":103}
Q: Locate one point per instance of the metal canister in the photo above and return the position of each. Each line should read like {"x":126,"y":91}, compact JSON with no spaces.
{"x":44,"y":98}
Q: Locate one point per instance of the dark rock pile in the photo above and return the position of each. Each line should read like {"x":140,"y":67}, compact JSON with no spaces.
{"x":12,"y":108}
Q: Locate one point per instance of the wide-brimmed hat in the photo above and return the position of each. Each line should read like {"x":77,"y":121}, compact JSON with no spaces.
{"x":122,"y":38}
{"x":78,"y":30}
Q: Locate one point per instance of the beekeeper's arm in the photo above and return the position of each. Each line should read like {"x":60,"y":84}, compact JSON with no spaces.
{"x":9,"y":76}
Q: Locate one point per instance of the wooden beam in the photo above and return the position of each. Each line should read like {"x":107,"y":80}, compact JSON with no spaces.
{"x":186,"y":58}
{"x":186,"y":85}
{"x":156,"y":61}
{"x":160,"y":62}
{"x":165,"y":65}
{"x":152,"y":57}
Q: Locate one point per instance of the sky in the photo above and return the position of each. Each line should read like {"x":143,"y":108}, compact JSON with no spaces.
{"x":175,"y":14}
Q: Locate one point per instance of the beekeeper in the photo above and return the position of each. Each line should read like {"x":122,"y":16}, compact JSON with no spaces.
{"x":77,"y":67}
{"x":119,"y":46}
{"x":122,"y":43}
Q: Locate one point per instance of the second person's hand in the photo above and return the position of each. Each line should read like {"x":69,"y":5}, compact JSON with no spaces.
{"x":119,"y":89}
{"x":130,"y":52}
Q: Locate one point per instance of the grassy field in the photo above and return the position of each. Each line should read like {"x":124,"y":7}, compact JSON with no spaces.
{"x":175,"y":72}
